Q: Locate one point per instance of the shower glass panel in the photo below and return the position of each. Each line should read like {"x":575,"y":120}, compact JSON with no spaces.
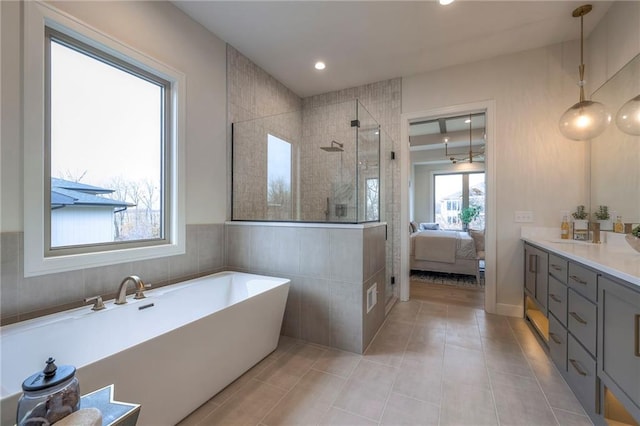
{"x":319,"y":164}
{"x":368,"y":153}
{"x":388,"y":213}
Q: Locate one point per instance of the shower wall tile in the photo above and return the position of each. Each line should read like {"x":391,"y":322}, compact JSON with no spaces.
{"x":252,"y":94}
{"x":315,"y":309}
{"x":315,"y":247}
{"x":24,"y":298}
{"x":346,"y":256}
{"x":284,"y":249}
{"x":346,"y":316}
{"x":373,"y":319}
{"x":291,"y":323}
{"x":325,"y":266}
{"x":383,"y":100}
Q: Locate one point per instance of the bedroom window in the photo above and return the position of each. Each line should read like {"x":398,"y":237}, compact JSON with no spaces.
{"x":454,"y":192}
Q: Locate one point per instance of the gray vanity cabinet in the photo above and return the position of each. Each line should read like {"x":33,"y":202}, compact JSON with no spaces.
{"x":537,"y":274}
{"x":619,"y":341}
{"x":593,"y":332}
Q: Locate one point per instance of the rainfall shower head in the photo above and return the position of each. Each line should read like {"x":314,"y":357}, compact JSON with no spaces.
{"x":333,"y":147}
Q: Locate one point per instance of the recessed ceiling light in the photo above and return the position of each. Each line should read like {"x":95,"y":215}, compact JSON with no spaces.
{"x":320,"y":65}
{"x":445,"y":2}
{"x":467,"y":121}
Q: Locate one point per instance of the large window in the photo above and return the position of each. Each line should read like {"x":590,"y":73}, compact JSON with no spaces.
{"x":106,"y":141}
{"x":454,"y":192}
{"x":103,"y":127}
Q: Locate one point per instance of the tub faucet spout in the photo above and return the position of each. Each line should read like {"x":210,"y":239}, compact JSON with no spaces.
{"x":122,"y":290}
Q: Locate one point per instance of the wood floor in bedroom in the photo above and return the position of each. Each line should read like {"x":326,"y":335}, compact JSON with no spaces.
{"x":447,"y":294}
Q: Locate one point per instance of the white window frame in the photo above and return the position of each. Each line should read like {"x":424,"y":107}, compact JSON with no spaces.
{"x":38,"y":16}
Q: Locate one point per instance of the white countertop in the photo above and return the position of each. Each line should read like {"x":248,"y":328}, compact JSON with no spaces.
{"x":614,"y":256}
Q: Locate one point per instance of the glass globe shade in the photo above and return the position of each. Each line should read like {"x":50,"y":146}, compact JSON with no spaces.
{"x":628,"y":117}
{"x":584,"y":120}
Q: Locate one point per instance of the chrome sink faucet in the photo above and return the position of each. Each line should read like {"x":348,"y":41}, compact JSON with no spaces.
{"x":122,"y":290}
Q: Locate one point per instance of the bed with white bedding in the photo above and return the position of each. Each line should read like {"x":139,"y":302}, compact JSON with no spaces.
{"x":443,"y":251}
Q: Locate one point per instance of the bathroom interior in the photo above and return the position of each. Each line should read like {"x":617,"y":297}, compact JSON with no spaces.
{"x":314,"y":188}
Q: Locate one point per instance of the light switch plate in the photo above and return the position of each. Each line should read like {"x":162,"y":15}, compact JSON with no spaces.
{"x":523,"y":217}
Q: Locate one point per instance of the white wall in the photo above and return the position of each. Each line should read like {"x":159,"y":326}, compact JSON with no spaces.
{"x":536,"y":168}
{"x":162,"y":31}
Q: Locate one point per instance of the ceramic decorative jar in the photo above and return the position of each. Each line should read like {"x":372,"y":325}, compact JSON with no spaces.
{"x":49,"y":395}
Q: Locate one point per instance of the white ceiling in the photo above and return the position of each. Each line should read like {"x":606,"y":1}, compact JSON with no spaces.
{"x":368,"y":41}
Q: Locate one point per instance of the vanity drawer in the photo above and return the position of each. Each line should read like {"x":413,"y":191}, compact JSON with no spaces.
{"x":583,"y":280}
{"x":558,"y":300}
{"x":581,"y":374}
{"x":558,"y":343}
{"x":582,"y":320}
{"x":558,"y":267}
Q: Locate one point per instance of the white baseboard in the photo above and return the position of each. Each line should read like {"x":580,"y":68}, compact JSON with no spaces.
{"x":510,"y":310}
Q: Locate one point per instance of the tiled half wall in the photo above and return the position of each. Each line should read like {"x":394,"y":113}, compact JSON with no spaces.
{"x":330,"y":268}
{"x":24,"y":298}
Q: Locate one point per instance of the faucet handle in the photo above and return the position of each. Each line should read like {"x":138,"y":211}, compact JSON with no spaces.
{"x":140,"y":291}
{"x":97,"y":303}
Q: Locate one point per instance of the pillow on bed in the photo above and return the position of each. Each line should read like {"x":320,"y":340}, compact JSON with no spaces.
{"x":432,"y":226}
{"x":413,"y":227}
{"x":478,"y":239}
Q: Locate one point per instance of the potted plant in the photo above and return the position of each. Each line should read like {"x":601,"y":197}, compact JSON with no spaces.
{"x":634,"y":238}
{"x":603,"y":218}
{"x":580,"y":221}
{"x":467,"y":215}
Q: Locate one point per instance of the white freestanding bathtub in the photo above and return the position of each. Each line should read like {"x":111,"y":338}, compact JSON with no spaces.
{"x":169,"y":352}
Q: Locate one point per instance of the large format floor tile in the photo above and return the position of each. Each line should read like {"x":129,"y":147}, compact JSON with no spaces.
{"x":430,"y":364}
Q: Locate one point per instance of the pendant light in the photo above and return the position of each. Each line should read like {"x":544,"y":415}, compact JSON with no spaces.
{"x":586,"y":119}
{"x":628,"y":117}
{"x":452,"y":157}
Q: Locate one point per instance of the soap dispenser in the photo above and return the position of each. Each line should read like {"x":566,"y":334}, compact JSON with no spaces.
{"x":564,"y":228}
{"x":49,"y":395}
{"x":618,"y":226}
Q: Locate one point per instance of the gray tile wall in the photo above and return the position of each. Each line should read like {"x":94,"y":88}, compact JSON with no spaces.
{"x":384,"y":101}
{"x":328,"y":269}
{"x":252,"y":93}
{"x":24,"y":298}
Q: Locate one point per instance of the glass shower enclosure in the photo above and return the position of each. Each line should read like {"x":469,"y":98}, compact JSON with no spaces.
{"x":319,"y":164}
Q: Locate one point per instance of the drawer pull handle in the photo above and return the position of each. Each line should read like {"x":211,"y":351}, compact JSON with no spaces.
{"x":577,"y":279}
{"x":577,"y":367}
{"x":556,"y":267}
{"x":577,"y":318}
{"x":555,"y":338}
{"x":555,"y":298}
{"x":637,"y":333}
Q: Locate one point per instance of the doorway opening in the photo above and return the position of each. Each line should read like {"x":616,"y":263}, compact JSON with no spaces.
{"x":448,"y":209}
{"x":448,"y":202}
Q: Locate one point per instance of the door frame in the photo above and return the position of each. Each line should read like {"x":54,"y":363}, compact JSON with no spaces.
{"x":488,"y":106}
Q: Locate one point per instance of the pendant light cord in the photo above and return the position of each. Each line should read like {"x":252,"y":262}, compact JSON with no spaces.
{"x":581,"y":83}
